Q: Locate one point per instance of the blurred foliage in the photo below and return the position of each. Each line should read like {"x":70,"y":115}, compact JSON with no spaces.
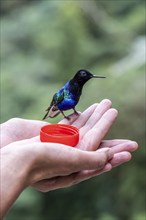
{"x":43,"y":43}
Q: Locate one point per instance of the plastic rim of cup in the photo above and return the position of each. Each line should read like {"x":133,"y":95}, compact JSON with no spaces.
{"x":60,"y":133}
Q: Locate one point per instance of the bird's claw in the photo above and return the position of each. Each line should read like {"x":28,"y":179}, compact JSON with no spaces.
{"x":76,"y":113}
{"x":67,"y":117}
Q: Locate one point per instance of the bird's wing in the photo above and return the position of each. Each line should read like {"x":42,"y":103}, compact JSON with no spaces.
{"x":51,"y":113}
{"x":58,"y":97}
{"x":52,"y":110}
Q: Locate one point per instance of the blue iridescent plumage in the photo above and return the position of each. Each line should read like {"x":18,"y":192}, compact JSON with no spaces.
{"x":68,"y":96}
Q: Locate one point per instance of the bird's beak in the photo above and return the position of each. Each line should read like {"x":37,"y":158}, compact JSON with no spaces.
{"x":95,"y":76}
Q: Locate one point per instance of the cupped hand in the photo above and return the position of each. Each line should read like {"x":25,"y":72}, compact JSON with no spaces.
{"x":49,"y":166}
{"x":48,"y":160}
{"x":94,"y":123}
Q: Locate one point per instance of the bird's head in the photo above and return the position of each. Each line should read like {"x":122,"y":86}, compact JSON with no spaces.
{"x":82,"y":76}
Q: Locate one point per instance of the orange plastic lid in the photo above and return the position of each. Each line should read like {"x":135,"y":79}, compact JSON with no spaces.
{"x":60,"y":133}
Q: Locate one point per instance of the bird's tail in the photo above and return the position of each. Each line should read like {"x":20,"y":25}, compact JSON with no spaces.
{"x":51,"y":113}
{"x":45,"y":116}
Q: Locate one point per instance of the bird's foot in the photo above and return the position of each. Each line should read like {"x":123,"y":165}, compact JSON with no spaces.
{"x":67,"y":117}
{"x":75,"y":112}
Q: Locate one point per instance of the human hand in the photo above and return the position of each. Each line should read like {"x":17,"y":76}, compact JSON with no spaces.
{"x":94,"y":123}
{"x":27,"y":162}
{"x":100,"y":117}
{"x":17,"y":129}
{"x":48,"y":166}
{"x":121,"y":149}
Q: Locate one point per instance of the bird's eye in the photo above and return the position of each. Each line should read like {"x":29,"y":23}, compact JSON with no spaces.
{"x":83,"y":73}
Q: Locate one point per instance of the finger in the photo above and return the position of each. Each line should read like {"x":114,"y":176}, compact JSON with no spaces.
{"x":91,"y":117}
{"x":31,"y":128}
{"x":87,"y":174}
{"x":125,"y":146}
{"x":60,"y":182}
{"x":77,"y":160}
{"x":66,"y":181}
{"x":107,"y":119}
{"x":62,"y":160}
{"x":101,"y":159}
{"x":27,"y":141}
{"x":65,"y":160}
{"x":19,"y":129}
{"x":117,"y":160}
{"x":111,"y":143}
{"x":75,"y":178}
{"x":83,"y":118}
{"x":80,"y":120}
{"x":93,"y":137}
{"x":73,"y":117}
{"x":120,"y":158}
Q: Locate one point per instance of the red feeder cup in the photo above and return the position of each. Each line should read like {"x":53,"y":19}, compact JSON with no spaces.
{"x":60,"y":133}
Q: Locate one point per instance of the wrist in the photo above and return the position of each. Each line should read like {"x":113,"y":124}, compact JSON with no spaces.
{"x":15,"y":169}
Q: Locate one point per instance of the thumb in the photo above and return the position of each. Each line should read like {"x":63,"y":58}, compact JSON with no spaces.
{"x":88,"y":160}
{"x":98,"y":158}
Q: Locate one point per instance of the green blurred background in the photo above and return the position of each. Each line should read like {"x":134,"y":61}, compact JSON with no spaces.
{"x":43,"y":44}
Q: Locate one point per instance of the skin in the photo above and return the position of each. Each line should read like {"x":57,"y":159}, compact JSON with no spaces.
{"x":49,"y":166}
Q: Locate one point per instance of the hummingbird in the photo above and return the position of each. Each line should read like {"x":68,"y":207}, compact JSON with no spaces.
{"x":68,"y":96}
